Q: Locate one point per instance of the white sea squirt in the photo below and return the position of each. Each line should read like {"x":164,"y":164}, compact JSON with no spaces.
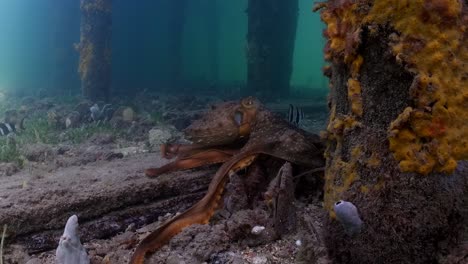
{"x":70,"y":249}
{"x":348,"y":215}
{"x":256,"y":230}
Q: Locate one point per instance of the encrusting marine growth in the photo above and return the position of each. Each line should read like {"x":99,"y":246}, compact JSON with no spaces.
{"x":430,"y":41}
{"x":398,"y":127}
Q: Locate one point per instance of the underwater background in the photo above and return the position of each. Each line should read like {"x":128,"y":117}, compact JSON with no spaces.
{"x":37,"y":50}
{"x":115,"y":115}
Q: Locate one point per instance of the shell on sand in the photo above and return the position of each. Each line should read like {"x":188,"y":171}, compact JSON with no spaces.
{"x":128,"y":114}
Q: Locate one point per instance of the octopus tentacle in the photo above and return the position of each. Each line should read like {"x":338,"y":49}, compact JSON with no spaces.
{"x":206,"y":157}
{"x":200,"y":213}
{"x":250,"y":129}
{"x":170,"y":151}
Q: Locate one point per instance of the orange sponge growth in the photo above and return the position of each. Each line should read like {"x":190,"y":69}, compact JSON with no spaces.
{"x":343,"y":27}
{"x":429,"y":38}
{"x":431,"y":41}
{"x":433,"y":134}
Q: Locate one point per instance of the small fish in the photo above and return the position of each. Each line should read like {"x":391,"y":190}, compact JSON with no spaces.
{"x":104,"y":114}
{"x":295,"y":115}
{"x":7,"y":128}
{"x":11,"y":123}
{"x":95,"y":113}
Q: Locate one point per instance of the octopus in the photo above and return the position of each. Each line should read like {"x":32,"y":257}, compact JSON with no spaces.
{"x":235,"y":134}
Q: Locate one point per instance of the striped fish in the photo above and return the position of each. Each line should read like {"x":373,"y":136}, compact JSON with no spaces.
{"x":9,"y":126}
{"x":6,"y":128}
{"x":295,"y":115}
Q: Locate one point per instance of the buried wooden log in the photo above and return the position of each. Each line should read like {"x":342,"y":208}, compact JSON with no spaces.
{"x":110,"y":224}
{"x":107,"y":197}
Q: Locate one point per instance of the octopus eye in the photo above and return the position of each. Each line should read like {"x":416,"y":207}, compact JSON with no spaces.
{"x":248,"y":102}
{"x":337,"y":203}
{"x":238,"y":117}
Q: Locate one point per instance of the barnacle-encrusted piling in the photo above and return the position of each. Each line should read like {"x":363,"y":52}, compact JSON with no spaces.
{"x":177,"y":15}
{"x":270,"y":45}
{"x":212,"y":24}
{"x":95,"y":48}
{"x":398,"y":125}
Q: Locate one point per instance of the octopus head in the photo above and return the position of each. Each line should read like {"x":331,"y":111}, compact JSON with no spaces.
{"x":224,"y":123}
